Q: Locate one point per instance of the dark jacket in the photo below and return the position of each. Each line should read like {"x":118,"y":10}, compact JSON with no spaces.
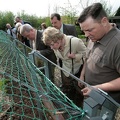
{"x":69,"y":29}
{"x":45,"y":50}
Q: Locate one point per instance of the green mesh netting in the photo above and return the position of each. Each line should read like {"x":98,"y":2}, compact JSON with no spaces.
{"x":25,"y":93}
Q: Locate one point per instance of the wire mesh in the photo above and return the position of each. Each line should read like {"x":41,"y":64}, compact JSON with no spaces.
{"x":26,"y":93}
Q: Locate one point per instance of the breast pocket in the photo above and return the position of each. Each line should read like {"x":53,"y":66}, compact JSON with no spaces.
{"x":97,"y":61}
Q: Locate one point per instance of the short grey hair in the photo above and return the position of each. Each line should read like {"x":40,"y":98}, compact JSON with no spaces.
{"x":25,"y":28}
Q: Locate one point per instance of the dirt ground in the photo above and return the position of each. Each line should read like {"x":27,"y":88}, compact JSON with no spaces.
{"x":15,"y":104}
{"x":18,"y":105}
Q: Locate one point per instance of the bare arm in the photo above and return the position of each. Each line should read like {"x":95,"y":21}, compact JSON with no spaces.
{"x":82,"y":75}
{"x":113,"y":85}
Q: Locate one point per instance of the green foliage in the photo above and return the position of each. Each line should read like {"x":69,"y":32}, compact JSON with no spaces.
{"x":6,"y":17}
{"x":45,"y":20}
{"x":3,"y":81}
{"x":33,"y":19}
{"x":68,"y":19}
{"x":78,"y":30}
{"x":82,"y":36}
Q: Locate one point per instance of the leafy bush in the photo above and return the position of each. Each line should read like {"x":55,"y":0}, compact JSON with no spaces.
{"x":82,"y":36}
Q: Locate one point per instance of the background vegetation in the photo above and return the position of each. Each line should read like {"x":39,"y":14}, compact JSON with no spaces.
{"x":68,"y":16}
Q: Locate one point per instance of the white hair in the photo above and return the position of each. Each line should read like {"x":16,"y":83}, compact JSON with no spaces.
{"x":18,"y":25}
{"x":25,"y":28}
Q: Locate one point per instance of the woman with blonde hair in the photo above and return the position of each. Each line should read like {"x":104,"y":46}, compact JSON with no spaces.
{"x":71,"y":50}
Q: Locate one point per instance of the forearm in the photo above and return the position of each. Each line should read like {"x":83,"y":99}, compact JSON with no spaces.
{"x":82,"y":74}
{"x":113,"y":85}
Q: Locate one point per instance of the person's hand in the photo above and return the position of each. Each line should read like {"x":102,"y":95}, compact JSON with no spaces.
{"x":37,"y":51}
{"x":86,"y":91}
{"x":72,"y":55}
{"x":81,"y":85}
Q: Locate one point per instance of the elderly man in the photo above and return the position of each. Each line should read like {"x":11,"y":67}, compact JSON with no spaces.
{"x":35,"y":36}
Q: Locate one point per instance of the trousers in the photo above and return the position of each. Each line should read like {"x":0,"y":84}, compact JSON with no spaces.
{"x":71,"y":89}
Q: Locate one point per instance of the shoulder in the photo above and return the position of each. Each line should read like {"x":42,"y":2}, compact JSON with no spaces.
{"x":39,"y":35}
{"x":114,"y":38}
{"x":13,"y":29}
{"x":74,"y":40}
{"x":68,"y":25}
{"x":117,"y":35}
{"x":39,"y":32}
{"x":26,"y":22}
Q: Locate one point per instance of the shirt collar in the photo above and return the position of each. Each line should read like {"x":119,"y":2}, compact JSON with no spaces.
{"x":61,"y":29}
{"x":35,"y":35}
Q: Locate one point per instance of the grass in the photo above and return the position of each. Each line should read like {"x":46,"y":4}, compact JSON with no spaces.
{"x":3,"y":81}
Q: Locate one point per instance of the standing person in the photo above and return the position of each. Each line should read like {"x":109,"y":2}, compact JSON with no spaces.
{"x":11,"y":30}
{"x":61,"y":43}
{"x":67,"y":29}
{"x":19,"y":20}
{"x":19,"y":36}
{"x":35,"y":37}
{"x":43,"y":26}
{"x":102,"y":65}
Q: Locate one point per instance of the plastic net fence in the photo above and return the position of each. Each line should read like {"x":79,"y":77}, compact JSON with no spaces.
{"x":26,"y":93}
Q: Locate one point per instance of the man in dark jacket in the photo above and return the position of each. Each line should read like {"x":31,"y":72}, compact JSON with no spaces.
{"x":67,"y":29}
{"x":35,"y":36}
